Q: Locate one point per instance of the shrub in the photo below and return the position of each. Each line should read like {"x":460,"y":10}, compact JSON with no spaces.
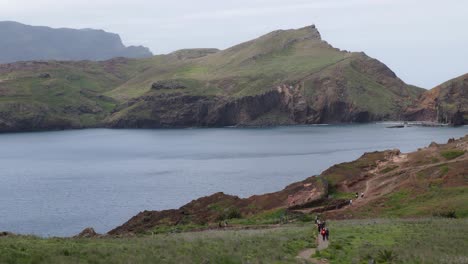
{"x":230,"y":213}
{"x":387,"y":256}
{"x":233,"y":213}
{"x":388,"y":169}
{"x":446,"y":214}
{"x":444,"y":170}
{"x":452,"y":154}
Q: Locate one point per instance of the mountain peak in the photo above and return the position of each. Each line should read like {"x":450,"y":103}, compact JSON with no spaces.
{"x":305,"y":33}
{"x":310,"y":32}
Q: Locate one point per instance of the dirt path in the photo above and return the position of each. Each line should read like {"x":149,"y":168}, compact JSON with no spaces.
{"x":306,"y":254}
{"x":322,"y":244}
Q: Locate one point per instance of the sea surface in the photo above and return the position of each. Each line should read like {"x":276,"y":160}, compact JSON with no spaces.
{"x":58,"y":183}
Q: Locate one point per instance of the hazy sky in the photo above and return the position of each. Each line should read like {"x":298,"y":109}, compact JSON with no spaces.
{"x":425,"y":42}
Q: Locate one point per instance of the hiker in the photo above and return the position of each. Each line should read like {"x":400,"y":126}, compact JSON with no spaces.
{"x":362,"y":195}
{"x":319,"y":226}
{"x":357,"y":195}
{"x":351,"y":202}
{"x":327,"y":233}
{"x":323,"y":233}
{"x":324,"y":224}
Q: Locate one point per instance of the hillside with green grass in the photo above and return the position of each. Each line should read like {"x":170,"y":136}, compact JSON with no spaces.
{"x":430,"y":240}
{"x":291,"y":75}
{"x":284,"y":77}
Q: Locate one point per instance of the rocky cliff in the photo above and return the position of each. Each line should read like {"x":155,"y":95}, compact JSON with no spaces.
{"x":446,"y":103}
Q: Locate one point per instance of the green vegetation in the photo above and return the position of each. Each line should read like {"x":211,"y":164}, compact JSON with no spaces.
{"x":388,"y":169}
{"x":279,"y":245}
{"x":57,"y":95}
{"x":432,"y":201}
{"x":452,"y":154}
{"x":431,"y":240}
{"x":398,"y":241}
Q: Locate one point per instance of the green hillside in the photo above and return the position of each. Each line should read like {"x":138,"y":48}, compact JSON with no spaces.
{"x":284,"y":77}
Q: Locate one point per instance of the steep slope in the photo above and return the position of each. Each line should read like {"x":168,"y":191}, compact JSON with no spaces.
{"x":21,"y":42}
{"x":284,"y":77}
{"x":446,"y":103}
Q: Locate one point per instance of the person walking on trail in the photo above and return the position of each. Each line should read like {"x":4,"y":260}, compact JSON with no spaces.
{"x":362,"y":195}
{"x":323,"y":233}
{"x":319,"y":226}
{"x":357,"y":195}
{"x":327,"y":233}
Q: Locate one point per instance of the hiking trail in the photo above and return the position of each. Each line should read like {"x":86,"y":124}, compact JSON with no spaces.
{"x":306,"y":255}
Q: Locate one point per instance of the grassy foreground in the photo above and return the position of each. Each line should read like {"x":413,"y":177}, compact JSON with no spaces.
{"x":434,"y":240}
{"x":278,"y":245}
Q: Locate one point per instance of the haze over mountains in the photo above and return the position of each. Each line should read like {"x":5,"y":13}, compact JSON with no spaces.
{"x":284,"y":77}
{"x":21,"y":42}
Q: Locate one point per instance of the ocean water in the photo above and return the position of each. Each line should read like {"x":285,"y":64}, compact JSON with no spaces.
{"x":57,"y":183}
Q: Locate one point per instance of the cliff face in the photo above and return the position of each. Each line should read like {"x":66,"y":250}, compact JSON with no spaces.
{"x":446,"y":103}
{"x":20,"y":42}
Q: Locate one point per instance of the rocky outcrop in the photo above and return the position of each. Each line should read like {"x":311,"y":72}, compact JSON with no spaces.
{"x":446,"y":103}
{"x":167,"y":85}
{"x":180,"y":110}
{"x":187,"y":54}
{"x":214,"y":208}
{"x":87,"y":233}
{"x":6,"y":234}
{"x":287,"y":103}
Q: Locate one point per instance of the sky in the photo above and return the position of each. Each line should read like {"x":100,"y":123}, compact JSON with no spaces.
{"x":424,"y":41}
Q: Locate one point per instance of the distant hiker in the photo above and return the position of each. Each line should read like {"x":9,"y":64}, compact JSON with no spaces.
{"x":319,"y":226}
{"x":351,"y":202}
{"x":327,"y":233}
{"x":323,"y":233}
{"x":362,"y":195}
{"x":324,"y":224}
{"x":357,"y":195}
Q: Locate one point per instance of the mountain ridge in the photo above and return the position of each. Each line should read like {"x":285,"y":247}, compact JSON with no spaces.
{"x":284,"y":77}
{"x":23,"y":42}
